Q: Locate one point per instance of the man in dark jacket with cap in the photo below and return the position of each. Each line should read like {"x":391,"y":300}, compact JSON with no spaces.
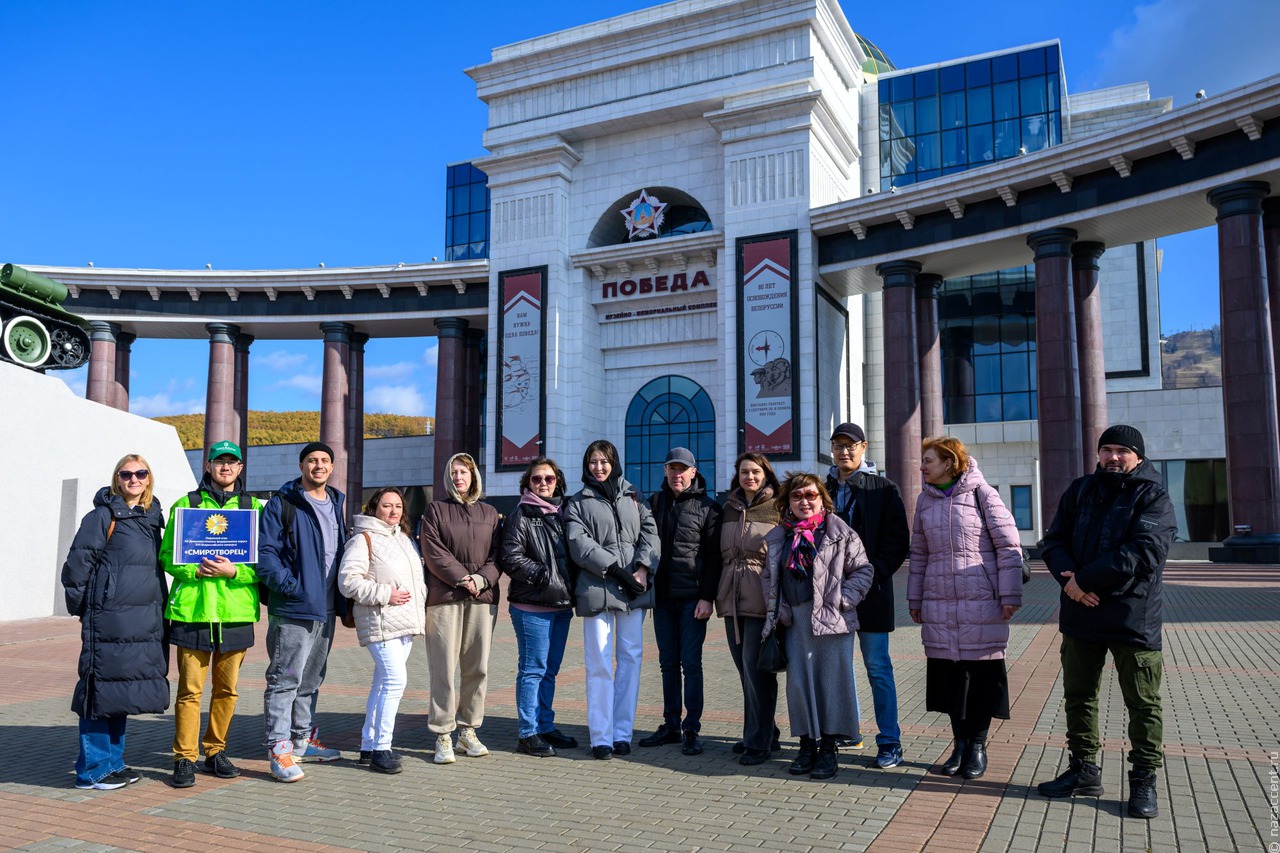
{"x":871,"y":505}
{"x":300,"y":537}
{"x":1107,"y":546}
{"x":688,"y":524}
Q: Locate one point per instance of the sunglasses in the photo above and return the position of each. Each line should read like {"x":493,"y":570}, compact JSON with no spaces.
{"x":811,"y":495}
{"x":140,"y":474}
{"x":538,"y":479}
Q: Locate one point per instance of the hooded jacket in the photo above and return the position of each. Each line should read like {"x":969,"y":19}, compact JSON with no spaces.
{"x":294,"y":570}
{"x":879,"y":517}
{"x":963,"y":571}
{"x":743,"y":528}
{"x":1113,"y":531}
{"x":687,"y":525}
{"x":459,"y":537}
{"x":204,"y":600}
{"x":602,"y":533}
{"x":116,"y":588}
{"x":842,"y":574}
{"x":534,"y":555}
{"x":369,"y":580}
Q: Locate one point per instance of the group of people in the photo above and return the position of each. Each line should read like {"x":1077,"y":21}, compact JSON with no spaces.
{"x":796,"y":567}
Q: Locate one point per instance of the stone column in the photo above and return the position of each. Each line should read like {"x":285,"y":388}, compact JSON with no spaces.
{"x":1057,"y":373}
{"x":930,"y":348}
{"x":1248,"y":374}
{"x":1271,"y":238}
{"x":101,"y":387}
{"x":242,"y":344}
{"x":1093,"y":372}
{"x":475,"y":389}
{"x":124,"y":347}
{"x":902,"y":379}
{"x":220,"y":422}
{"x":334,"y":391}
{"x":355,"y":424}
{"x":451,"y":396}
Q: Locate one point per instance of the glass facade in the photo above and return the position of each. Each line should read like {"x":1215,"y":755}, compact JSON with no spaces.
{"x":466,"y":216}
{"x":968,"y":113}
{"x":1020,"y":507}
{"x":668,"y":412}
{"x":987,"y":328}
{"x":1198,"y":489}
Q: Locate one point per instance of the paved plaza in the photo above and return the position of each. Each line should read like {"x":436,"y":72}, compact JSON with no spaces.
{"x":1217,"y":789}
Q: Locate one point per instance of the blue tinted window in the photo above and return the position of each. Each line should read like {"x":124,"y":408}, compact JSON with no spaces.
{"x":927,"y":115}
{"x":978,"y":73}
{"x":884,"y":91}
{"x":1008,"y":138}
{"x":926,"y":84}
{"x":927,"y":156}
{"x":951,"y":78}
{"x":1032,"y":95}
{"x":980,"y":143}
{"x":1020,"y":507}
{"x":902,"y":88}
{"x":952,"y":110}
{"x":1005,"y":97}
{"x":904,"y":119}
{"x":1031,"y":62}
{"x":953,"y":148}
{"x":979,"y":102}
{"x":1004,"y":68}
{"x":671,"y":411}
{"x":1035,"y":132}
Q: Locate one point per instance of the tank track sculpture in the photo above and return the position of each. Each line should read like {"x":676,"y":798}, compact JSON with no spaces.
{"x":35,"y":331}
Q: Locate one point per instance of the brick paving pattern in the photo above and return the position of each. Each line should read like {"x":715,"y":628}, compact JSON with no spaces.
{"x":1222,"y":659}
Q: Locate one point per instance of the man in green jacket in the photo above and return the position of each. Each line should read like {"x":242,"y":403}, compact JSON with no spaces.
{"x":212,"y":607}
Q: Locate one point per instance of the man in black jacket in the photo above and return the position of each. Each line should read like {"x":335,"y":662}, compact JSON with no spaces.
{"x":871,"y":505}
{"x":688,"y":525}
{"x":1107,"y":546}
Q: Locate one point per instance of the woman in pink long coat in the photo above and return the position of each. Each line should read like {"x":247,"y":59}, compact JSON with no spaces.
{"x":964,"y":587}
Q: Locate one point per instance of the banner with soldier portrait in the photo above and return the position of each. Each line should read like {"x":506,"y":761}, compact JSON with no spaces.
{"x":767,"y":331}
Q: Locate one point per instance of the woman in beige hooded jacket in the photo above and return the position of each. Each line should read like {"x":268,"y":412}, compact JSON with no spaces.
{"x":381,"y":573}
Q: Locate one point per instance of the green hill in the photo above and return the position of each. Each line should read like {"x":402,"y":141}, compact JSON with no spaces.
{"x":297,"y":427}
{"x":1191,"y":359}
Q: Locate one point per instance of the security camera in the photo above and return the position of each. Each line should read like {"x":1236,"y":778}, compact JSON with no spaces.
{"x":1022,"y":149}
{"x":1200,"y":95}
{"x":893,"y":189}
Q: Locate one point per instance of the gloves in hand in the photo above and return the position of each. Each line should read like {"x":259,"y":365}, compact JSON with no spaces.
{"x":627,"y":581}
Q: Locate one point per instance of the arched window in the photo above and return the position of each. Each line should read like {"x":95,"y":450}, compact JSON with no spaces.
{"x":671,"y":411}
{"x":681,"y":214}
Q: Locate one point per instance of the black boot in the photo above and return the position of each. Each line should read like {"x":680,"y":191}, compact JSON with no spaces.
{"x":806,"y":759}
{"x":1080,"y":779}
{"x":975,"y":763}
{"x":1142,"y":794}
{"x":828,"y":762}
{"x":952,"y":765}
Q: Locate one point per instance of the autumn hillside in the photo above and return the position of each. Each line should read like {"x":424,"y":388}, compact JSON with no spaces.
{"x":295,"y":427}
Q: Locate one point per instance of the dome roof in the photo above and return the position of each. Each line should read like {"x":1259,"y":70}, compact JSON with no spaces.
{"x":877,"y":62}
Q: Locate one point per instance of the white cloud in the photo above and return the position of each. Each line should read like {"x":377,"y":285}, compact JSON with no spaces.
{"x":1180,"y":46}
{"x":310,"y":382}
{"x":395,"y":400}
{"x":431,"y":355}
{"x":280,"y":361}
{"x":399,"y":370}
{"x":154,"y":405}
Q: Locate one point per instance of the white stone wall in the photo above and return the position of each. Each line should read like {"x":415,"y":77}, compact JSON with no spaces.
{"x":1124,"y":339}
{"x":65,"y":450}
{"x":1177,"y":424}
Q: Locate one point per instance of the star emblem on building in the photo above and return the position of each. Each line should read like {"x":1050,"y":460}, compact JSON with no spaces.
{"x":644,"y":216}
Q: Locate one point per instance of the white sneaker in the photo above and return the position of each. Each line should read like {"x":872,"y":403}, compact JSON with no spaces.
{"x":444,"y":749}
{"x":283,"y":767}
{"x":470,"y":741}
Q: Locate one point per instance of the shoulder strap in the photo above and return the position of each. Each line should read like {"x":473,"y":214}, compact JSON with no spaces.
{"x":288,"y":513}
{"x":111,"y":528}
{"x":368,"y":541}
{"x":193,"y":499}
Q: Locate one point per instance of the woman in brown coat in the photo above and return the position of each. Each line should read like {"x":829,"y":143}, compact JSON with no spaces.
{"x":749,"y":515}
{"x":459,"y":540}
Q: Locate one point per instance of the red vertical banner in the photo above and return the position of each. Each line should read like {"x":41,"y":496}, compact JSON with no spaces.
{"x":768,"y":390}
{"x":521,"y":356}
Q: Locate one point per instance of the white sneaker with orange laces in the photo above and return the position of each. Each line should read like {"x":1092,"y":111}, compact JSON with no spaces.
{"x":283,"y":767}
{"x":313,"y":750}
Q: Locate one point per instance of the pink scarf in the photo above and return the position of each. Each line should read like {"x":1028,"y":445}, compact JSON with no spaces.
{"x":803,"y":548}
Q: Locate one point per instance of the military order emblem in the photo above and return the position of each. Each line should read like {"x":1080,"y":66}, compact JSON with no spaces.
{"x":216,"y":524}
{"x":644,"y":216}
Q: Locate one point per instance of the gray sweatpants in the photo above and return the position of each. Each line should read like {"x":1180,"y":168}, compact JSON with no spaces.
{"x":298,"y":652}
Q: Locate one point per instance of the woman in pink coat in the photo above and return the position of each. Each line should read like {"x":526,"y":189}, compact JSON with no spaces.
{"x":964,"y":587}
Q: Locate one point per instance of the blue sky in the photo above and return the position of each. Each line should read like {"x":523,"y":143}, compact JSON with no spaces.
{"x":286,"y":134}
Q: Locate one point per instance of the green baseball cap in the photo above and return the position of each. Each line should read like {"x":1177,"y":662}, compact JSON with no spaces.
{"x":225,"y":448}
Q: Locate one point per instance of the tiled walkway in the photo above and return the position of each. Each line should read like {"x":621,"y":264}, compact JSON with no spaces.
{"x":1217,"y":790}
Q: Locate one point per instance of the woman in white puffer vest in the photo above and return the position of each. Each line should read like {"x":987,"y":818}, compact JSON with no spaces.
{"x":382,"y":574}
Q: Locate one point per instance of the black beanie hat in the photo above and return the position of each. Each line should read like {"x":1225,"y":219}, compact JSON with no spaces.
{"x":313,"y":447}
{"x":1125,"y":436}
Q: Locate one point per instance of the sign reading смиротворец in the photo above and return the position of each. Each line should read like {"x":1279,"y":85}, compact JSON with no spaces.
{"x":201,"y":533}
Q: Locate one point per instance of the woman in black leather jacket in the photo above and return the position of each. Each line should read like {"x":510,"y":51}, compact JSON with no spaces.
{"x":540,"y":595}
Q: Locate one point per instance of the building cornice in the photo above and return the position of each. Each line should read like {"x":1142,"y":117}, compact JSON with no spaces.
{"x":554,"y":159}
{"x":680,"y":252}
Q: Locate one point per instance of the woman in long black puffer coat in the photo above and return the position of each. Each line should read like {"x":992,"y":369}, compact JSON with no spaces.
{"x":114,"y":584}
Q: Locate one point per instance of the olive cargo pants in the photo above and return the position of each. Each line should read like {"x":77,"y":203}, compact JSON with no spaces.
{"x":1139,"y":671}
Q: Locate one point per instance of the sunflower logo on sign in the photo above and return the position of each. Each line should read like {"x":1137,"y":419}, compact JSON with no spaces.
{"x":216,"y":524}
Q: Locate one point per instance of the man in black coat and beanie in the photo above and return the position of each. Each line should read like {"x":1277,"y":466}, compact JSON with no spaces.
{"x":871,"y":505}
{"x":1107,"y":547}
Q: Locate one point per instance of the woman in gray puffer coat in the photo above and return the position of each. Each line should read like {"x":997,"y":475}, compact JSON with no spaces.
{"x":613,"y":541}
{"x":113,"y":583}
{"x":816,"y":572}
{"x":964,"y":587}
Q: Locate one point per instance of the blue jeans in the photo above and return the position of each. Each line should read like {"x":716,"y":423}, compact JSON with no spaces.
{"x":540,"y":640}
{"x":101,"y":748}
{"x":884,"y":692}
{"x":680,"y":638}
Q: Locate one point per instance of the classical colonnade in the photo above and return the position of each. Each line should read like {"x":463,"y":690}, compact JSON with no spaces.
{"x":1071,"y":377}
